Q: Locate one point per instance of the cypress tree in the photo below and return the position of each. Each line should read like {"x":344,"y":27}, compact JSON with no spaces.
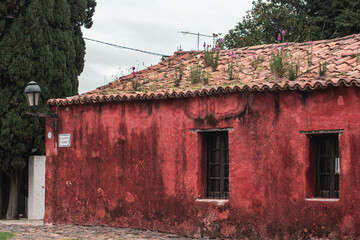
{"x":40,"y":41}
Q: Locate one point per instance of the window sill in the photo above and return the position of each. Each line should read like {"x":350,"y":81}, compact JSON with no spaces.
{"x":322,"y":199}
{"x":219,"y":202}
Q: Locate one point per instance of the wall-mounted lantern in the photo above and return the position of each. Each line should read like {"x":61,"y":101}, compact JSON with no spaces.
{"x":33,"y":93}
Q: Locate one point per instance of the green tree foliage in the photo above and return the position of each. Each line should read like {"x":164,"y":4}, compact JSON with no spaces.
{"x":39,"y":41}
{"x":348,"y":21}
{"x":301,"y":19}
{"x":334,"y":18}
{"x":265,"y":21}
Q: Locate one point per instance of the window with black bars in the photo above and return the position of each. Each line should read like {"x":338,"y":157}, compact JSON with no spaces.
{"x":327,"y":166}
{"x":217,"y":165}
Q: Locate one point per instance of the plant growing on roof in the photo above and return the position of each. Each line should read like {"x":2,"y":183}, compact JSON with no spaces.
{"x":278,"y":59}
{"x":135,"y":84}
{"x":179,"y":73}
{"x":232,"y":70}
{"x":257,"y":59}
{"x":197,"y":73}
{"x":293,"y":69}
{"x":309,"y":54}
{"x":277,"y":65}
{"x":134,"y":81}
{"x":322,"y":68}
{"x":211,"y":55}
{"x":230,"y":65}
{"x":205,"y":77}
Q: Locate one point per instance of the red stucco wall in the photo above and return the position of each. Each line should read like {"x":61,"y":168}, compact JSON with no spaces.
{"x":137,"y":164}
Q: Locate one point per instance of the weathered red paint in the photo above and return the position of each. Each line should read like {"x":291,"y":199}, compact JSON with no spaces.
{"x":137,"y":164}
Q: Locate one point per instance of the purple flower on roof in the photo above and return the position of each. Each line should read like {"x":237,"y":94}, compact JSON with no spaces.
{"x":253,"y":55}
{"x":214,"y":50}
{"x":204,"y":44}
{"x":275,"y":47}
{"x":134,"y":74}
{"x":287,"y":43}
{"x":282,"y":48}
{"x":232,"y":53}
{"x":214,"y":35}
{"x":229,"y":54}
{"x":217,"y":48}
{"x":221,"y":40}
{"x":310,"y":42}
{"x":283,"y":32}
{"x":279,"y":37}
{"x":133,"y":68}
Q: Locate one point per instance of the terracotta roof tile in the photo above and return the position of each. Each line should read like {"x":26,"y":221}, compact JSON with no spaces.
{"x":158,"y":81}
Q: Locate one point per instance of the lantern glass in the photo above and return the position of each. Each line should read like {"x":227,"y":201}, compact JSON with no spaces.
{"x":30,"y":99}
{"x":37,"y":99}
{"x":33,"y":92}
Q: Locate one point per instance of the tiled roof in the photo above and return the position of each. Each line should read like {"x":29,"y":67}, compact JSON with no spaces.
{"x":342,"y":56}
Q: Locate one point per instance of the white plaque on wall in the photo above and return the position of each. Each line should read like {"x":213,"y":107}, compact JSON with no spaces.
{"x":64,"y":140}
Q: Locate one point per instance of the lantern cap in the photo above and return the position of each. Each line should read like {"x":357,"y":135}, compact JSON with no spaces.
{"x":32,"y":87}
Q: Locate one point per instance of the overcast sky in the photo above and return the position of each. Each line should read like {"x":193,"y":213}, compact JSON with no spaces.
{"x":152,"y":26}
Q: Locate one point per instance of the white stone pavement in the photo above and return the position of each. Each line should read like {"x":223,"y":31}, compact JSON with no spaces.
{"x":25,"y":229}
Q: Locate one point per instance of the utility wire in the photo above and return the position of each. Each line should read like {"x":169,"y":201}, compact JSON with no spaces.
{"x":128,"y":48}
{"x":94,"y":40}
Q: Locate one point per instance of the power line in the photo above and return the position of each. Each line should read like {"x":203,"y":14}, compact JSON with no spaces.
{"x":128,"y":48}
{"x":94,"y":40}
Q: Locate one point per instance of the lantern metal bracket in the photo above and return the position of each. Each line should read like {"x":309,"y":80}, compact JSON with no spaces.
{"x":53,"y":116}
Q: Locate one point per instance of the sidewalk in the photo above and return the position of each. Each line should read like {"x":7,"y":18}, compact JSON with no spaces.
{"x":33,"y":229}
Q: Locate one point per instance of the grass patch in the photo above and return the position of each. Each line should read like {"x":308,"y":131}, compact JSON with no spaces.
{"x":6,"y":235}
